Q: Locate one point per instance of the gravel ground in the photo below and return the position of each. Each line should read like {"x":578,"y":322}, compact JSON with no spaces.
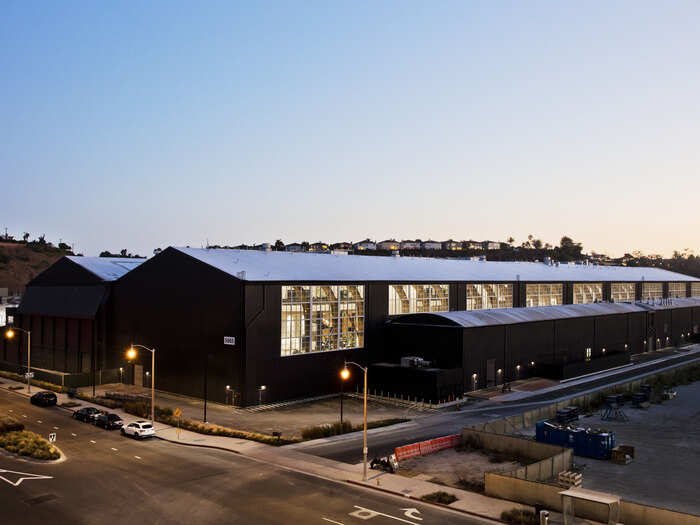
{"x":666,"y":469}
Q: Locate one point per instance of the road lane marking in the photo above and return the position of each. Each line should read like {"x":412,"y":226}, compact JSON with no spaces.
{"x":55,"y":428}
{"x":19,"y":477}
{"x":74,"y":435}
{"x":93,"y":442}
{"x":367,"y":514}
{"x":331,"y":521}
{"x":38,"y":420}
{"x":114,"y":449}
{"x":24,"y":415}
{"x":137,"y":457}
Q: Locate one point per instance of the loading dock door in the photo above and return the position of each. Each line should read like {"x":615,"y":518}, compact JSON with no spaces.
{"x":490,"y":372}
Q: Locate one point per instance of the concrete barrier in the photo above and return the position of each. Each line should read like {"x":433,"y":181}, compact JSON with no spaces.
{"x":536,"y":493}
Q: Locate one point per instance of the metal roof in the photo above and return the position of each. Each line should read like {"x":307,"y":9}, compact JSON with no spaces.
{"x":253,"y":265}
{"x":506,"y":316}
{"x":107,"y":268}
{"x":63,"y":301}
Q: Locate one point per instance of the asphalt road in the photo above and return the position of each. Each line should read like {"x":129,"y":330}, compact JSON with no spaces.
{"x":383,"y":442}
{"x":108,"y":478}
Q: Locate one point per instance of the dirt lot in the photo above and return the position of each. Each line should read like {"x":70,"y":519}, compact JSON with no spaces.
{"x":666,"y":469}
{"x":288,"y":420}
{"x":462,"y":470}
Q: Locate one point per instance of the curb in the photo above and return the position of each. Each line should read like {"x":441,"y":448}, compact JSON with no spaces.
{"x":408,"y":496}
{"x":214,"y":447}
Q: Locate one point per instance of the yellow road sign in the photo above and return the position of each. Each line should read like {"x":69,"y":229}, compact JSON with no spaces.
{"x":177,"y":412}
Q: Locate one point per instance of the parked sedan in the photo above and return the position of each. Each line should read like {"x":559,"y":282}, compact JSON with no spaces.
{"x":87,"y":414}
{"x":109,"y":421}
{"x":44,"y":399}
{"x":139,"y":429}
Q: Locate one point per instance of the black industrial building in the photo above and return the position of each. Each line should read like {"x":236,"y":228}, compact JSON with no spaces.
{"x":266,"y":326}
{"x":67,"y":308}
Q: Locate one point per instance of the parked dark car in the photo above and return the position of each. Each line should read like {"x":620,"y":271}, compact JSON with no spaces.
{"x":87,"y":414}
{"x":44,"y":399}
{"x":109,"y":421}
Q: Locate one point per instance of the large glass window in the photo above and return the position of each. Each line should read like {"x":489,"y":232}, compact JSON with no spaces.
{"x":412,"y":298}
{"x":652,"y":291}
{"x":543,"y":294}
{"x":622,"y":292}
{"x":488,"y":296}
{"x":322,"y":318}
{"x":676,"y":290}
{"x":588,"y":292}
{"x":695,"y":289}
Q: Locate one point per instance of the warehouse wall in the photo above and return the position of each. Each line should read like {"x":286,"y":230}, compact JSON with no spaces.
{"x":184,"y":308}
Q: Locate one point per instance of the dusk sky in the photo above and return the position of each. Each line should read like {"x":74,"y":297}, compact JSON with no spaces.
{"x":146,"y":124}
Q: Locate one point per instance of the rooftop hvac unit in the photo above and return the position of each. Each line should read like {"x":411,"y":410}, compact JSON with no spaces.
{"x":414,"y":362}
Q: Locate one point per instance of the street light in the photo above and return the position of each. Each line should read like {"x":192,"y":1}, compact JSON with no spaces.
{"x":345,"y":373}
{"x":10,"y":333}
{"x":130,"y":355}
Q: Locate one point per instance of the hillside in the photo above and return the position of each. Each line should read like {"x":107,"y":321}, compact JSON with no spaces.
{"x":20,"y":263}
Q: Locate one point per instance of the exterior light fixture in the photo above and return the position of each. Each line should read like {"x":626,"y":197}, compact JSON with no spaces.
{"x":603,"y":350}
{"x":500,"y":371}
{"x":228,"y":387}
{"x":131,"y":353}
{"x":517,"y":367}
{"x":263,"y":387}
{"x":474,"y":376}
{"x":532,"y":363}
{"x":10,"y":333}
{"x":344,"y":374}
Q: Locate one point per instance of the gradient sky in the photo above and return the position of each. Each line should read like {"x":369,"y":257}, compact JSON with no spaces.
{"x":146,"y":124}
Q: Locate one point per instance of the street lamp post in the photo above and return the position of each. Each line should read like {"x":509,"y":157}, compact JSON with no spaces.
{"x":345,"y":374}
{"x":131,"y":354}
{"x":10,"y":334}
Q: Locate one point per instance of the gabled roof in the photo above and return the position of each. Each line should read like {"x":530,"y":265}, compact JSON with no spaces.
{"x":293,"y":266}
{"x":107,"y":268}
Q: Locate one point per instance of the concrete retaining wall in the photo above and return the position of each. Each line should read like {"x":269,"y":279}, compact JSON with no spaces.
{"x":534,"y":493}
{"x":552,"y":459}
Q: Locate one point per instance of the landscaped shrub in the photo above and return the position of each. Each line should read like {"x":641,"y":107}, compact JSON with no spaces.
{"x":218,"y":430}
{"x":334,"y":429}
{"x":28,"y":444}
{"x":143,"y":410}
{"x":520,"y":517}
{"x":44,"y":385}
{"x":440,"y":497}
{"x":10,"y":424}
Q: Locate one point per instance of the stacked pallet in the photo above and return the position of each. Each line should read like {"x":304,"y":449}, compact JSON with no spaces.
{"x":568,"y":479}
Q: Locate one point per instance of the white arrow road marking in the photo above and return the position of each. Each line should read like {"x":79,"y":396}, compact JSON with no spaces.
{"x":55,"y":428}
{"x":93,"y":442}
{"x":411,"y":513}
{"x":19,"y":477}
{"x":74,"y":435}
{"x":367,"y":514}
{"x":38,"y":420}
{"x":331,"y":521}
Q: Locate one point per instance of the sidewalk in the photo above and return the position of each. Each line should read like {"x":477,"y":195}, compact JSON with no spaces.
{"x":645,"y":361}
{"x":301,"y":462}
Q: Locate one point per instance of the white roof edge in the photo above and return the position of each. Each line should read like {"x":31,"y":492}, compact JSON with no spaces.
{"x":254,"y":265}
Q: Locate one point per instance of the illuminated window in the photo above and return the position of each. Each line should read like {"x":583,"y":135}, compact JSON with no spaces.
{"x":412,"y":298}
{"x":489,"y":296}
{"x":543,"y":295}
{"x":695,"y":289}
{"x":676,"y":290}
{"x":622,"y":292}
{"x":652,"y":291}
{"x":322,"y":318}
{"x":588,"y":292}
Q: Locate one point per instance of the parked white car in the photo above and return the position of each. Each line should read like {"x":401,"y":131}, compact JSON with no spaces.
{"x":139,"y":429}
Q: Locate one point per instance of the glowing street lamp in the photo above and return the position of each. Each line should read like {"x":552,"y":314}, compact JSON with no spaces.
{"x":131,"y":354}
{"x":345,"y":374}
{"x":10,"y":334}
